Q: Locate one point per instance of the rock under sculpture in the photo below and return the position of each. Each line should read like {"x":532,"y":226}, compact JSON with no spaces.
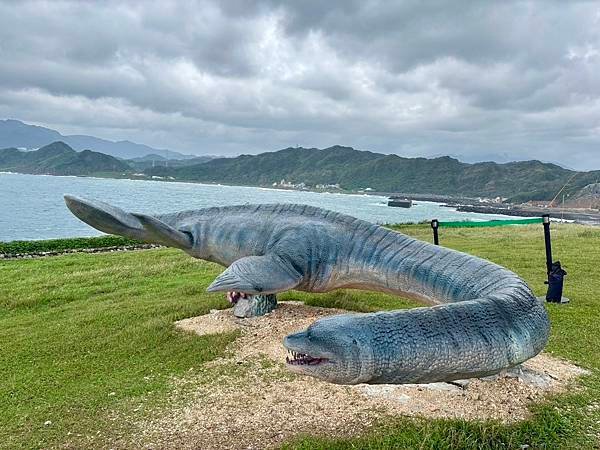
{"x":245,"y":305}
{"x":484,"y":319}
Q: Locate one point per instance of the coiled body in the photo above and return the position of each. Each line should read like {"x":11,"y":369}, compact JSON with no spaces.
{"x":484,"y":318}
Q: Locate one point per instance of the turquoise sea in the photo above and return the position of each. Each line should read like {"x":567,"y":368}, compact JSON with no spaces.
{"x":32,"y":207}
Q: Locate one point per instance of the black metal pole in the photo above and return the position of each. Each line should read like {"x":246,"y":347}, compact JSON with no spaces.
{"x":435,"y":225}
{"x":548,"y":243}
{"x":556,"y":273}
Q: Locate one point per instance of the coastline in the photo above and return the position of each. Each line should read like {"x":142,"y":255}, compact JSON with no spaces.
{"x":426,"y":206}
{"x":583,"y":217}
{"x":461,"y":203}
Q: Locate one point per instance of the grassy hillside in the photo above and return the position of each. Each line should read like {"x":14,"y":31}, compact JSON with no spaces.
{"x":60,"y":159}
{"x":351,"y":169}
{"x":150,"y":161}
{"x":354,"y":169}
{"x":83,"y":337}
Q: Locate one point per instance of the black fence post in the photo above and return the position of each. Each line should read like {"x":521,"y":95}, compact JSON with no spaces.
{"x":548,"y":243}
{"x":435,"y":225}
{"x":556,"y":274}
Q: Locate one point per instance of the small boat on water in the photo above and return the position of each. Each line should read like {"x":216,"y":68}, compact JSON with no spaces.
{"x":399,"y":202}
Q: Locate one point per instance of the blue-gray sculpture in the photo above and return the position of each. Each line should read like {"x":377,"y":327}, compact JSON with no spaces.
{"x":485,"y":318}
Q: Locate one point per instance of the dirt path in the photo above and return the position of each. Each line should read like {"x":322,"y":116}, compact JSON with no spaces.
{"x":247,"y":399}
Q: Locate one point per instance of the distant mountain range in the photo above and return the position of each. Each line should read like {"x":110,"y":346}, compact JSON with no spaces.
{"x":60,"y":159}
{"x":147,"y":162}
{"x":353,"y":169}
{"x":344,"y":166}
{"x":14,"y":133}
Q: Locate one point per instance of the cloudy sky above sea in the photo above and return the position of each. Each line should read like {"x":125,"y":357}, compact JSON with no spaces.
{"x":479,"y":80}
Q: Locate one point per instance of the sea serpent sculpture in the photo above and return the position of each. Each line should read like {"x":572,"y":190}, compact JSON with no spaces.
{"x":484,"y":319}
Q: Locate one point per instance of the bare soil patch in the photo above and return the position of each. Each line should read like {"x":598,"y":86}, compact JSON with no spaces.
{"x":247,"y":399}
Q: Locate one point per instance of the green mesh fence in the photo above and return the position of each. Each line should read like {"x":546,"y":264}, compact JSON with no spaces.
{"x":491,"y":223}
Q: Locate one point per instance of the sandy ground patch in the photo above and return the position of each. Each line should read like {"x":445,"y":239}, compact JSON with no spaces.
{"x":247,"y":399}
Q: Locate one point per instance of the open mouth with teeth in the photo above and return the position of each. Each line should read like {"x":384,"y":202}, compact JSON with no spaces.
{"x":301,"y":359}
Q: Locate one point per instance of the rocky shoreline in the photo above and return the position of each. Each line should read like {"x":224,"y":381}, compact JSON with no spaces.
{"x":123,"y":248}
{"x":583,"y":217}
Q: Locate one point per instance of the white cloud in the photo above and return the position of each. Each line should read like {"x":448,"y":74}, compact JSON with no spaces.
{"x":516,"y":79}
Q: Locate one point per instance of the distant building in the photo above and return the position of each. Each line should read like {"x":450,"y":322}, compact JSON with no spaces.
{"x":328,"y":186}
{"x":288,"y":184}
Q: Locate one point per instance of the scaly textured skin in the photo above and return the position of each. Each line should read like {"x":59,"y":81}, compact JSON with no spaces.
{"x":485,"y":318}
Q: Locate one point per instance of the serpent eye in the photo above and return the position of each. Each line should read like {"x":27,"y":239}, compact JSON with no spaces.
{"x":354,"y":341}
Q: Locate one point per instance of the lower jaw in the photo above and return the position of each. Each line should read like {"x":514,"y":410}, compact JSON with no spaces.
{"x":302,"y":368}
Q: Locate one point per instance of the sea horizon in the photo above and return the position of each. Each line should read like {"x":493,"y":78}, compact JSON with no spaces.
{"x":32,"y":206}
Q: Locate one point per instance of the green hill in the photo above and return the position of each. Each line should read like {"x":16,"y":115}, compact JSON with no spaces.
{"x":60,"y":159}
{"x":153,"y":160}
{"x":353,"y":169}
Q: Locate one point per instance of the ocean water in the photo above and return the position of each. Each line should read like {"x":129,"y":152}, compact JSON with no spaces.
{"x":32,"y":206}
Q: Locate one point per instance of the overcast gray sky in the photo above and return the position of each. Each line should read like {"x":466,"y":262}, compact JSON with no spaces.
{"x":478,"y":80}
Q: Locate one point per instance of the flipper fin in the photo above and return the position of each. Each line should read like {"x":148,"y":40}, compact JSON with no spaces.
{"x":105,"y":217}
{"x":266,"y":274}
{"x":113,"y":220}
{"x":160,"y":232}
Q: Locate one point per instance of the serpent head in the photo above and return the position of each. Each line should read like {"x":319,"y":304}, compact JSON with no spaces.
{"x":333,"y":349}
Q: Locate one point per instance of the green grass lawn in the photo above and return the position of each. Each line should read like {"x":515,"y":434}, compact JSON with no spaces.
{"x":85,"y":335}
